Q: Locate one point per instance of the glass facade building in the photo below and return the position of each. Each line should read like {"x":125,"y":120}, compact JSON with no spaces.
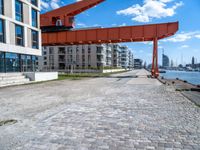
{"x":12,"y":62}
{"x":18,"y":10}
{"x":2,"y":38}
{"x":1,"y":7}
{"x":20,"y":35}
{"x":34,"y":18}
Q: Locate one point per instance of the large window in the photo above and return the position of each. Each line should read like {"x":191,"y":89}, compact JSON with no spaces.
{"x":2,"y":62}
{"x":27,"y":63}
{"x":19,"y":35}
{"x":34,"y":2}
{"x":34,"y":18}
{"x":1,"y":7}
{"x":2,"y":39}
{"x":12,"y":62}
{"x":34,"y":39}
{"x":19,"y":10}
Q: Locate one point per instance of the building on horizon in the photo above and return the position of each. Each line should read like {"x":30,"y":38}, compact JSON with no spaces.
{"x":193,"y":60}
{"x":131,"y":60}
{"x":116,"y":55}
{"x":165,"y":60}
{"x":138,"y":63}
{"x":127,"y":58}
{"x":194,"y":65}
{"x":20,"y":35}
{"x":82,"y":57}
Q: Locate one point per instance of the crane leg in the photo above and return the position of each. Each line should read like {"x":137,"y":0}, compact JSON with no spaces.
{"x":155,"y":71}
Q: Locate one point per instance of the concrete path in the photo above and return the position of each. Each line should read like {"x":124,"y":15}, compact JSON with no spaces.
{"x":114,"y":113}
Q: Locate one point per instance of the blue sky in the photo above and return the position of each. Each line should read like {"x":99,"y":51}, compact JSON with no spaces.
{"x":180,"y":48}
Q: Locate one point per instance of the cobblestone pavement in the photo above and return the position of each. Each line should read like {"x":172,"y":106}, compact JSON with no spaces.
{"x":116,"y":113}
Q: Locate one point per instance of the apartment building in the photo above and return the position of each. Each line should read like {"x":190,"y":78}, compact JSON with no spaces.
{"x":124,"y":57}
{"x":131,"y":60}
{"x":116,"y":55}
{"x":63,"y":58}
{"x":138,"y":63}
{"x":20,"y":35}
{"x":83,"y":57}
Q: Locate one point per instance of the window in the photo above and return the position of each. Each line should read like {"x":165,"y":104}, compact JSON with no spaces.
{"x":2,"y":39}
{"x":2,"y":62}
{"x":69,"y":50}
{"x":77,"y":49}
{"x":51,"y":50}
{"x":89,"y":50}
{"x":12,"y":62}
{"x":18,"y":10}
{"x":1,"y":7}
{"x":89,"y":59}
{"x":19,"y":35}
{"x":34,"y":39}
{"x":33,"y":63}
{"x":34,"y":18}
{"x":34,"y":2}
{"x":61,"y":50}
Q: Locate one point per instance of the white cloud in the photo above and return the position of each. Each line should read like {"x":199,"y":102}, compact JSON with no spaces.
{"x":44,"y":5}
{"x":182,"y":37}
{"x":54,"y":4}
{"x":141,"y":51}
{"x":151,"y":9}
{"x":123,"y":24}
{"x":81,"y":25}
{"x":184,"y":46}
{"x":198,"y":36}
{"x":50,"y":4}
{"x":114,"y":24}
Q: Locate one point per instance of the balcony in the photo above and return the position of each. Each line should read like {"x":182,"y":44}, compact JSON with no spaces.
{"x":61,"y":60}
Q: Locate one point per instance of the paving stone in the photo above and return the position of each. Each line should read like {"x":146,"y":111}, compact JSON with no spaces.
{"x":98,"y":114}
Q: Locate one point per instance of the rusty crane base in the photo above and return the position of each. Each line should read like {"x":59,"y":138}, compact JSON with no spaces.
{"x":57,"y":30}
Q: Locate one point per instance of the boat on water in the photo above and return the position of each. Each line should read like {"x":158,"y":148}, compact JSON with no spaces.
{"x":162,"y":71}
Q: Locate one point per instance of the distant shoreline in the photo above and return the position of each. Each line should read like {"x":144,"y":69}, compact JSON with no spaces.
{"x":191,"y":77}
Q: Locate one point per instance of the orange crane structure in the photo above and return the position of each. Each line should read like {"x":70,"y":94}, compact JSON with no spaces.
{"x":58,"y":29}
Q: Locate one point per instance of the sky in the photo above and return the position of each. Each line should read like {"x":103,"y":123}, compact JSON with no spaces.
{"x":180,"y":48}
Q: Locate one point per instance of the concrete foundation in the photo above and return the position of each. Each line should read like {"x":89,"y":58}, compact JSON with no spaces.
{"x":113,"y":70}
{"x":41,"y":76}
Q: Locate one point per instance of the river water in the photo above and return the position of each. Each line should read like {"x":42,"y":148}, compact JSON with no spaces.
{"x":191,"y":77}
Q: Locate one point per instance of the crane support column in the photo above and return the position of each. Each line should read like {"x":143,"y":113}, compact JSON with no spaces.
{"x":155,"y":71}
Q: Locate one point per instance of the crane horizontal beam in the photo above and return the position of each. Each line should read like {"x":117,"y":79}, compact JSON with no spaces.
{"x":68,"y":11}
{"x":110,"y":35}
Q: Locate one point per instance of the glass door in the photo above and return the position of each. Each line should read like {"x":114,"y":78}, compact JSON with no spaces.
{"x":12,"y":62}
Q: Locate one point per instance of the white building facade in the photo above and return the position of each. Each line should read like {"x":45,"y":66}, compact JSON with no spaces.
{"x":116,"y":55}
{"x":20,"y":35}
{"x":131,"y":60}
{"x":81,"y":57}
{"x":63,"y":58}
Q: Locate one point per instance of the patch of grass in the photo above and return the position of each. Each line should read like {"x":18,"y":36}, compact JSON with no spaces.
{"x":79,"y":76}
{"x":64,"y":77}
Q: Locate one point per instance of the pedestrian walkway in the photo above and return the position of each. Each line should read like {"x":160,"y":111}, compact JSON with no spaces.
{"x":99,"y":114}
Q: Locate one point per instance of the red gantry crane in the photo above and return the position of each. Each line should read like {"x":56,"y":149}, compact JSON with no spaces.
{"x":58,"y":29}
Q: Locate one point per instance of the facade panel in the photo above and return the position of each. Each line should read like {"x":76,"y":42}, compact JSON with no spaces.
{"x":83,"y":57}
{"x":17,"y":41}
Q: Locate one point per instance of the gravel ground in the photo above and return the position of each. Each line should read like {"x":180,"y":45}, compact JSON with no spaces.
{"x":116,"y":113}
